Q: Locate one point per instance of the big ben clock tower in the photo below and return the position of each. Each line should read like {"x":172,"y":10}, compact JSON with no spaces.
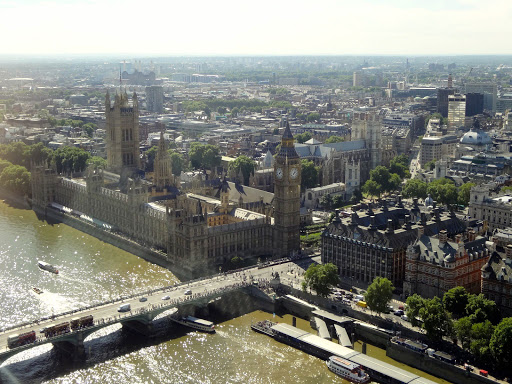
{"x":287,"y":176}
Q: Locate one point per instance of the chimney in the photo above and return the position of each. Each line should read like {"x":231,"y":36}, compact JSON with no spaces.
{"x":407,"y":222}
{"x":399,"y":201}
{"x":384,"y":206}
{"x":458,"y":238}
{"x":390,"y":229}
{"x":415,"y":202}
{"x":354,"y":218}
{"x":471,"y":235}
{"x":508,"y":253}
{"x":443,"y":236}
{"x":372,"y":223}
{"x":336,"y":218}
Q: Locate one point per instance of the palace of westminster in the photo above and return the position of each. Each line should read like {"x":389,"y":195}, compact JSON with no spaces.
{"x":197,"y":229}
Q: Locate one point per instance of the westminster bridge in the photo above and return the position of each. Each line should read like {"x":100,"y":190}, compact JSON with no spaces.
{"x":195,"y":293}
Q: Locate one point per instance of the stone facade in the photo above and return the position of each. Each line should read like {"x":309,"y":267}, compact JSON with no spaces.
{"x":497,"y":279}
{"x":494,"y":211}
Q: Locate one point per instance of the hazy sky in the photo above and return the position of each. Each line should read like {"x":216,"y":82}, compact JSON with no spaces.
{"x":260,"y":27}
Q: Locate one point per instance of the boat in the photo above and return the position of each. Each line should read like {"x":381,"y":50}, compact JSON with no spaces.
{"x":347,"y":369}
{"x":47,"y":267}
{"x":37,"y":290}
{"x":194,"y":322}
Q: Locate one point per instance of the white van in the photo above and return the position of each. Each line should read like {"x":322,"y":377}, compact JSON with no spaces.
{"x":359,"y":298}
{"x":124,"y":308}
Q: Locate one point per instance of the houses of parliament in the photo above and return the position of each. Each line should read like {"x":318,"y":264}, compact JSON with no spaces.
{"x":198,"y":229}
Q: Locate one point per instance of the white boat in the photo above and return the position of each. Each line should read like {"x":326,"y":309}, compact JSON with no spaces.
{"x":47,"y":267}
{"x":194,"y":322}
{"x":347,"y":369}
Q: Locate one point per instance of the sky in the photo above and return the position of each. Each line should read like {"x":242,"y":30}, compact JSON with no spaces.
{"x":262,"y":27}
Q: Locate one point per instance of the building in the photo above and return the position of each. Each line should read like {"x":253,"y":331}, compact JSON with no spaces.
{"x":437,"y":148}
{"x":375,"y":243}
{"x":497,"y":278}
{"x":312,"y":196}
{"x":155,"y":99}
{"x":489,"y":90}
{"x":196,"y":231}
{"x":442,"y":100}
{"x":122,"y":133}
{"x":456,"y":111}
{"x":358,"y":79}
{"x":494,"y":211}
{"x":436,"y":264}
{"x":474,"y":104}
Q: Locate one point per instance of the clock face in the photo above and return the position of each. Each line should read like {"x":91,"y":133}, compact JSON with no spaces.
{"x":279,"y":173}
{"x":294,"y":172}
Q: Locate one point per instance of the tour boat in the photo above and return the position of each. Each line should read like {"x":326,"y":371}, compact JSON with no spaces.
{"x":47,"y":267}
{"x":37,"y":290}
{"x":347,"y":369}
{"x":194,"y":322}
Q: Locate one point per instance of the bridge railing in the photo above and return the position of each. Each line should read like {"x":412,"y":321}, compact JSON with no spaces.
{"x":149,"y":292}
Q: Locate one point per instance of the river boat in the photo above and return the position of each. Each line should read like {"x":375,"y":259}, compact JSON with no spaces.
{"x":47,"y":267}
{"x":347,"y":369}
{"x":37,"y":290}
{"x":195,"y":323}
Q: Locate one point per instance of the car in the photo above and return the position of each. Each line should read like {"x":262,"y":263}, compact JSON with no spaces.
{"x":143,"y":299}
{"x":42,"y":330}
{"x":404,"y":318}
{"x":166,"y":297}
{"x":188,"y":292}
{"x":398,"y":312}
{"x":401,"y":307}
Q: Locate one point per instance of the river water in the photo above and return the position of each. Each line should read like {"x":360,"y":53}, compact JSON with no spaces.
{"x":92,"y":271}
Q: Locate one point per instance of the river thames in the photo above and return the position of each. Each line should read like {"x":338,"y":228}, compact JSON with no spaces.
{"x":92,"y":271}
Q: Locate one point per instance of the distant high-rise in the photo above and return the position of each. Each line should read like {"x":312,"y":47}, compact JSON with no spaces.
{"x":456,"y":111}
{"x":155,"y":99}
{"x":122,"y":133}
{"x":489,"y":90}
{"x":358,"y":79}
{"x":442,"y":100}
{"x":474,"y":104}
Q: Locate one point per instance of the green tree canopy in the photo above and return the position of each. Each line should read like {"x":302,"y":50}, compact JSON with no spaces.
{"x":321,"y":278}
{"x":97,"y":162}
{"x":464,"y":192}
{"x":455,"y":301}
{"x":379,"y":294}
{"x":415,"y":188}
{"x":16,"y":179}
{"x":372,"y":188}
{"x":205,"y":156}
{"x":414,"y":304}
{"x":480,"y":309}
{"x":150,"y":158}
{"x":334,"y":139}
{"x":313,"y":116}
{"x":70,"y":159}
{"x":400,"y":166}
{"x":177,"y":162}
{"x":245,"y":164}
{"x":89,"y":128}
{"x":303,"y":137}
{"x":462,"y":329}
{"x":436,"y":321}
{"x":501,"y":342}
{"x":443,"y":191}
{"x":430,"y":165}
{"x":309,"y":174}
{"x":326,"y":201}
{"x":481,"y":334}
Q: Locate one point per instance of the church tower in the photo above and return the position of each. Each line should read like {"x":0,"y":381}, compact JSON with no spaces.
{"x":122,"y":133}
{"x":287,"y":176}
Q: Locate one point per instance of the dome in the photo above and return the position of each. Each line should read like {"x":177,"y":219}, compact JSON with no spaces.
{"x":476,"y":138}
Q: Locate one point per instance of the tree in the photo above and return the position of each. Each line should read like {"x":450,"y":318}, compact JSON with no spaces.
{"x":177,"y":162}
{"x":436,"y":321}
{"x":4,"y":164}
{"x":464,"y":192}
{"x":204,"y":155}
{"x":379,"y":294}
{"x":70,"y":159}
{"x":430,"y":165}
{"x":97,"y":162}
{"x":415,"y":188}
{"x":480,"y":309}
{"x":39,"y":154}
{"x":501,"y":342}
{"x":150,"y":158}
{"x":394,"y":182}
{"x":326,"y":201}
{"x":400,"y":166}
{"x":356,"y":197}
{"x":372,"y":188}
{"x":89,"y":128}
{"x":313,"y":116}
{"x":481,"y":334}
{"x":334,"y":139}
{"x":381,"y":176}
{"x":462,"y":329}
{"x":414,"y":304}
{"x":455,"y":301}
{"x":309,"y":174}
{"x":337,"y":201}
{"x":245,"y":164}
{"x":303,"y":137}
{"x":16,"y":179}
{"x":443,"y":191}
{"x":321,"y":278}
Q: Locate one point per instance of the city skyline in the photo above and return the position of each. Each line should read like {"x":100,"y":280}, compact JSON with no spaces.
{"x":369,"y":27}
